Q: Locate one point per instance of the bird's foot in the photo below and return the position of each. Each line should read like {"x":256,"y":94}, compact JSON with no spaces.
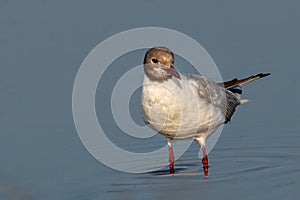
{"x":205,"y":165}
{"x":172,"y":171}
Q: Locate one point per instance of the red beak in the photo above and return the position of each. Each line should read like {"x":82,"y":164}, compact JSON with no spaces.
{"x":172,"y":71}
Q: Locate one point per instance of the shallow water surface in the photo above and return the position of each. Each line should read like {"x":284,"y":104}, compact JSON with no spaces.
{"x":238,"y":170}
{"x":43,"y":43}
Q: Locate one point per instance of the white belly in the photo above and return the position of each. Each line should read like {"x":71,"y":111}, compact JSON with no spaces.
{"x":176,"y":111}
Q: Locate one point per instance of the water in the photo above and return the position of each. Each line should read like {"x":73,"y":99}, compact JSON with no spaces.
{"x":42,"y":44}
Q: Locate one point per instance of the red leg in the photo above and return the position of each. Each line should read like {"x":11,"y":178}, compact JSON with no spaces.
{"x":204,"y":161}
{"x":171,"y":157}
{"x":201,"y":141}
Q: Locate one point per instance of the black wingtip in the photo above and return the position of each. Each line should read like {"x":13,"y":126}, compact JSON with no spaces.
{"x":263,"y":75}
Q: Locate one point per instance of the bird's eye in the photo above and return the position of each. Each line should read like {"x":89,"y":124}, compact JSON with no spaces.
{"x":154,"y":60}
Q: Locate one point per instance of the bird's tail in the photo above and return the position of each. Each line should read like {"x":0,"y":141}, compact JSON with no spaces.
{"x":234,"y":85}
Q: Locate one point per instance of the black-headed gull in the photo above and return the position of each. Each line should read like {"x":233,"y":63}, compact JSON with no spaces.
{"x":189,"y":107}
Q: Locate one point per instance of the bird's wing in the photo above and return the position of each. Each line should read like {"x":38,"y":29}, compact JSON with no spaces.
{"x":239,"y":82}
{"x":214,"y":94}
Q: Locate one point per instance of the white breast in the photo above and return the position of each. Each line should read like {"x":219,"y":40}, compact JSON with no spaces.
{"x":175,"y":109}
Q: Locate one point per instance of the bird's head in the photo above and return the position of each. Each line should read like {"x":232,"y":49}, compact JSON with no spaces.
{"x":158,"y":64}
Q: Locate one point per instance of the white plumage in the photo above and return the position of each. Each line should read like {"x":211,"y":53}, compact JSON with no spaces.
{"x":175,"y":109}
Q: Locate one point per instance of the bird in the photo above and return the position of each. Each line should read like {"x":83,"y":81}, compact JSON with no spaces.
{"x":188,"y":106}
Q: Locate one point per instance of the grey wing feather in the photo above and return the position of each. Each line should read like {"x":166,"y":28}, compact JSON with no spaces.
{"x":213,"y":93}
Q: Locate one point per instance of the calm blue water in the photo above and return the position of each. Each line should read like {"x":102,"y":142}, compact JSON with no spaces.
{"x":42,"y":44}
